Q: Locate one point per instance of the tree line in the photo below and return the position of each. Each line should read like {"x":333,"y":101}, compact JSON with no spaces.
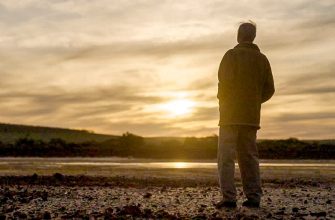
{"x":131,"y":145}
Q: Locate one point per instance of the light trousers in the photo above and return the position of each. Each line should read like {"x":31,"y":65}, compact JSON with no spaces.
{"x":242,"y":140}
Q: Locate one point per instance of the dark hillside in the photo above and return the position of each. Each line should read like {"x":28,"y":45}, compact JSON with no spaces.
{"x":21,"y":140}
{"x":9,"y":133}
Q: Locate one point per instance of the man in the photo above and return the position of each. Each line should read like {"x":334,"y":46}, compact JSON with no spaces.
{"x":245,"y":82}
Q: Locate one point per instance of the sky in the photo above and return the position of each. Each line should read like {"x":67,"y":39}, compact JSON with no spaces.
{"x":150,"y":67}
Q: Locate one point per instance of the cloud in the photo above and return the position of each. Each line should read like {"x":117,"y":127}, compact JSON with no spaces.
{"x":57,"y":103}
{"x":310,"y":83}
{"x":98,"y":66}
{"x":306,"y":116}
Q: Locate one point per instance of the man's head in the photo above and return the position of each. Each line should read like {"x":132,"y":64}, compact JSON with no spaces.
{"x":246,"y":33}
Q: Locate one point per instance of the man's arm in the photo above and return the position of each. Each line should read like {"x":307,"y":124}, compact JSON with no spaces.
{"x":268,"y":88}
{"x":225,"y":70}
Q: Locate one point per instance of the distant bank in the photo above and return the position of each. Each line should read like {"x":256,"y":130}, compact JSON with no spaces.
{"x":23,"y":140}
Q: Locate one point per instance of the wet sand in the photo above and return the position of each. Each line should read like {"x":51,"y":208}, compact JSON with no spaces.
{"x":91,"y":197}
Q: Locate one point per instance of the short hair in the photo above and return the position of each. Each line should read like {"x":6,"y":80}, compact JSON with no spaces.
{"x":246,"y":32}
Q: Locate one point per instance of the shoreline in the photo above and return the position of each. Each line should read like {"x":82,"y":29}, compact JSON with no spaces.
{"x":58,"y":179}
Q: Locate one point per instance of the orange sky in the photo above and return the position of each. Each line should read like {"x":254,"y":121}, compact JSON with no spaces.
{"x":150,"y":67}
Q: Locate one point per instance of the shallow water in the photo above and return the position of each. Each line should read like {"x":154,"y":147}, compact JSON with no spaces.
{"x":111,"y":166}
{"x":156,"y":164}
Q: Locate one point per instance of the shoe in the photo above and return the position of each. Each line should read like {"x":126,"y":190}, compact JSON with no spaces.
{"x":251,"y":204}
{"x":225,"y":204}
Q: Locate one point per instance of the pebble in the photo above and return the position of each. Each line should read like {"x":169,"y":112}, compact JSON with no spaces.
{"x":147,"y":195}
{"x":99,"y":202}
{"x":46,"y":215}
{"x":318,"y":214}
{"x":295,"y":209}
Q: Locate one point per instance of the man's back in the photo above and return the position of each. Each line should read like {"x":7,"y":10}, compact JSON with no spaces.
{"x":245,"y":82}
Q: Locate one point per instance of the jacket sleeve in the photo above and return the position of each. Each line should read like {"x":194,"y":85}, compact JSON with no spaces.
{"x":224,"y":72}
{"x":268,"y":87}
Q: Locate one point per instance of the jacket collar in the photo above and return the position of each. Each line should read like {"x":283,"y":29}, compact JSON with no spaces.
{"x":247,"y":46}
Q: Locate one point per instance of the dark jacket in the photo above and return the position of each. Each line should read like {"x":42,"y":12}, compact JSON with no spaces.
{"x":245,"y":82}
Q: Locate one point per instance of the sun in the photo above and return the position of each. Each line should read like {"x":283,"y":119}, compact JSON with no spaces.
{"x":179,"y":107}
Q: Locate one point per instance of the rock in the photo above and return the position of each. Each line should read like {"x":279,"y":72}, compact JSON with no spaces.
{"x":109,"y":212}
{"x":34,"y":177}
{"x":19,"y":215}
{"x":89,"y":198}
{"x":201,"y":209}
{"x":44,"y":196}
{"x":58,"y":176}
{"x":245,"y":216}
{"x":147,"y":195}
{"x":215,"y":214}
{"x":46,"y":215}
{"x":98,"y":215}
{"x":269,"y":216}
{"x":281,"y":212}
{"x":8,"y":209}
{"x":24,"y":199}
{"x":147,"y":213}
{"x":318,"y":214}
{"x":132,"y":210}
{"x":161,"y":214}
{"x":3,"y":199}
{"x":163,"y":189}
{"x":199,"y":217}
{"x":80,"y":214}
{"x":295,"y":209}
{"x":301,"y":215}
{"x":23,"y":192}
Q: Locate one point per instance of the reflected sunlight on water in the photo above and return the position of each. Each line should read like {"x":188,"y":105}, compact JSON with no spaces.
{"x":183,"y":165}
{"x":180,"y":164}
{"x":146,"y":163}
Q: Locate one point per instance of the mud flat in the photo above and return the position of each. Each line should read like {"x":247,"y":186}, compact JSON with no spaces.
{"x":61,"y":196}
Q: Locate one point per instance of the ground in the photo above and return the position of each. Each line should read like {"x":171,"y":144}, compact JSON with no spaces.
{"x":83,"y":197}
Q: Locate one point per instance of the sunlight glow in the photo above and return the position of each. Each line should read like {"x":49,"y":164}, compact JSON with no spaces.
{"x":179,"y":107}
{"x":180,"y":165}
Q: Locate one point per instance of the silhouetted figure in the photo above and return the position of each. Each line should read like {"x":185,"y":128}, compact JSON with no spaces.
{"x":245,"y":82}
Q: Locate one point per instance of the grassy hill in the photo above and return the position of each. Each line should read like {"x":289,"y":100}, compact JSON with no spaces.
{"x":11,"y":132}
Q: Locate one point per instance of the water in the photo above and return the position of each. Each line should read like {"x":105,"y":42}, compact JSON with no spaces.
{"x":110,"y":166}
{"x":155,"y":164}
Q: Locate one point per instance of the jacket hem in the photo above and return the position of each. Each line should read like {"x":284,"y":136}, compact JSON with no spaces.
{"x":247,"y":124}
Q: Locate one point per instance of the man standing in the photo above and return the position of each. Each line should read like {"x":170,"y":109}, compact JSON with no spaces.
{"x":245,"y":82}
